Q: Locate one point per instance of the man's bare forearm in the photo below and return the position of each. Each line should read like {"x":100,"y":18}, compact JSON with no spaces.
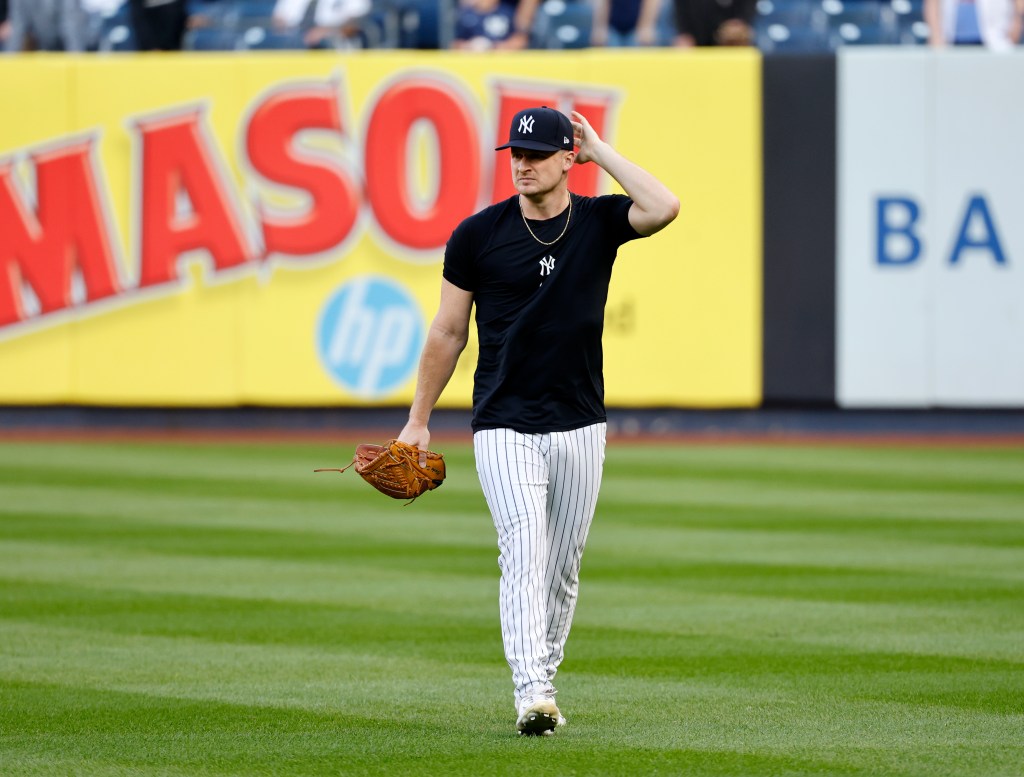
{"x":446,"y":339}
{"x":437,"y":365}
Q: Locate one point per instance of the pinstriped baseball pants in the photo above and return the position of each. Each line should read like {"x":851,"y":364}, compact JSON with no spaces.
{"x":542,"y":491}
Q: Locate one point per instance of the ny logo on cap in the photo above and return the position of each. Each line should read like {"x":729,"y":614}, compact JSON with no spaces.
{"x":526,"y":124}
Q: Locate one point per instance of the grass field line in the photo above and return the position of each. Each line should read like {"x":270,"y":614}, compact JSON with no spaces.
{"x":684,"y":492}
{"x":664,"y":548}
{"x":268,"y":463}
{"x":667,"y":607}
{"x":655,"y":611}
{"x":280,"y":580}
{"x":941,"y":464}
{"x":689,"y":493}
{"x":339,"y":510}
{"x":325,"y":487}
{"x":929,"y":461}
{"x":227,"y":671}
{"x":781,"y":549}
{"x":346,"y":503}
{"x":321,"y":681}
{"x":663,"y":610}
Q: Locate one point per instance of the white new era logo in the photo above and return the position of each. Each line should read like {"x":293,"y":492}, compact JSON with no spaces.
{"x":565,"y":139}
{"x":526,"y":124}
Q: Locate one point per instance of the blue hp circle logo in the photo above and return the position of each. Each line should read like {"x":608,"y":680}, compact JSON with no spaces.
{"x":370,"y":335}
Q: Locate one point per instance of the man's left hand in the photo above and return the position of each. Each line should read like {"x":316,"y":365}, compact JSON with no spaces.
{"x":585,"y":138}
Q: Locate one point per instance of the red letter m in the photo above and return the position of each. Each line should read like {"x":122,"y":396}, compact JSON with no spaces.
{"x":66,"y":233}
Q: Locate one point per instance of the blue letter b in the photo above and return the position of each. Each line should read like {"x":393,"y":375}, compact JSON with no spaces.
{"x":897,"y":243}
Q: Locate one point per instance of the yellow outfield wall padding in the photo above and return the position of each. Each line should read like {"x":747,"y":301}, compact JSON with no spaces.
{"x":269,"y":229}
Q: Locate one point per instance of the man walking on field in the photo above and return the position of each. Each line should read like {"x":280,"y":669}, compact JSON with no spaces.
{"x":537,"y":266}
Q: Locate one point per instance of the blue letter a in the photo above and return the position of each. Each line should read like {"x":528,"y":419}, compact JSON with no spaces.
{"x":990,"y":239}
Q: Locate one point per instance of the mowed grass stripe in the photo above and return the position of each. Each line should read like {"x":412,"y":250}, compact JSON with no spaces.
{"x":995,"y":470}
{"x":680,"y":713}
{"x":362,"y":634}
{"x":690,"y":491}
{"x":759,"y":563}
{"x":216,"y":726}
{"x":932,"y":462}
{"x":288,"y":462}
{"x":921,"y":519}
{"x":206,"y":609}
{"x":355,"y":540}
{"x":706,"y":730}
{"x":899,"y":623}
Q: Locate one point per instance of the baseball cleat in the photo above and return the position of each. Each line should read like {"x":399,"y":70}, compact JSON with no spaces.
{"x":538,"y":716}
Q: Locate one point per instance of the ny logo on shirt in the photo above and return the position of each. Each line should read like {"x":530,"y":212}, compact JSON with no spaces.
{"x":547,"y":264}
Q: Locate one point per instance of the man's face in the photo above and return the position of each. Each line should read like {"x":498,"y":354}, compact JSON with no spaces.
{"x":538,"y":172}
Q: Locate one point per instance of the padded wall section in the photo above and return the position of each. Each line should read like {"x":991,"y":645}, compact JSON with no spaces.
{"x":799,"y":100}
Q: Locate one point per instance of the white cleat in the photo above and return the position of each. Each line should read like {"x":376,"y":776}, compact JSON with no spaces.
{"x":538,"y":716}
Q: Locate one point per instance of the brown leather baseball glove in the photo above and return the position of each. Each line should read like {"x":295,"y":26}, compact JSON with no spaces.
{"x":394,"y":468}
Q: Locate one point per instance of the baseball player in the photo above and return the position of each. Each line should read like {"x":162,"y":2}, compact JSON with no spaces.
{"x":537,"y":266}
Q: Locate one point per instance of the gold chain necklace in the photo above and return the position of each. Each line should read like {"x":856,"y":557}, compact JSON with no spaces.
{"x":564,"y":229}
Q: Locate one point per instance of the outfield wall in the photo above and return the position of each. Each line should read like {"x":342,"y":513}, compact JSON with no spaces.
{"x":268,"y":229}
{"x":894,"y":185}
{"x":217,"y":230}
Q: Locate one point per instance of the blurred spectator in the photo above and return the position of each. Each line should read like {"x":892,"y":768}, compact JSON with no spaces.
{"x":482,"y":24}
{"x":204,"y":13}
{"x":625,"y":23}
{"x":5,"y":26}
{"x":338,"y":19}
{"x":715,"y":22}
{"x":995,"y":24}
{"x":522,"y":24}
{"x":45,"y":25}
{"x":95,"y":13}
{"x":159,"y":25}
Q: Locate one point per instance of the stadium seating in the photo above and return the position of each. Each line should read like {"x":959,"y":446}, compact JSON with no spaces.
{"x":779,"y":39}
{"x":862,"y":22}
{"x":254,"y":8}
{"x":791,"y":13}
{"x":247,"y":24}
{"x":825,"y":25}
{"x":213,"y":13}
{"x":780,"y":26}
{"x":255,"y":36}
{"x":791,"y":26}
{"x":423,"y":24}
{"x":115,"y":32}
{"x":563,"y":24}
{"x":910,"y":26}
{"x":210,"y":39}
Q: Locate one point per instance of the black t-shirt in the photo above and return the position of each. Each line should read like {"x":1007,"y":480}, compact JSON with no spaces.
{"x":539,"y":310}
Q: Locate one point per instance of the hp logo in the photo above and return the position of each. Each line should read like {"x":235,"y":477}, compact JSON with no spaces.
{"x":370,"y":335}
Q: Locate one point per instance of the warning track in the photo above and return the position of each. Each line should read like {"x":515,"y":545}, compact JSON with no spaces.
{"x":641,"y":426}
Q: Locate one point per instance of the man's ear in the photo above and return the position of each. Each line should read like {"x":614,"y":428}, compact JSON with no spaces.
{"x":568,"y":160}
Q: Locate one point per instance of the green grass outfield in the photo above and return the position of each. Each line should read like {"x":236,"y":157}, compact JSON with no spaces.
{"x":213,"y":609}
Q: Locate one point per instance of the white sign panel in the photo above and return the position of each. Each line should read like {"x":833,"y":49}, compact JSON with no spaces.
{"x":930,"y":287}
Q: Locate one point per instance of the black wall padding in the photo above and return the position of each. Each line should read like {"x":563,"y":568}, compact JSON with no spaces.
{"x":799,"y":100}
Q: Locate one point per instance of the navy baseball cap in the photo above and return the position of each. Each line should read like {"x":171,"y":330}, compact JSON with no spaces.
{"x":540,"y":129}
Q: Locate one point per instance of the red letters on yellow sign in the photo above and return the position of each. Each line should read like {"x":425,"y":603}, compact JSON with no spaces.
{"x":187,"y":201}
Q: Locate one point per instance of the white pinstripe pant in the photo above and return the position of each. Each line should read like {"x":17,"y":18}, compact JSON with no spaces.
{"x":542,"y":491}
